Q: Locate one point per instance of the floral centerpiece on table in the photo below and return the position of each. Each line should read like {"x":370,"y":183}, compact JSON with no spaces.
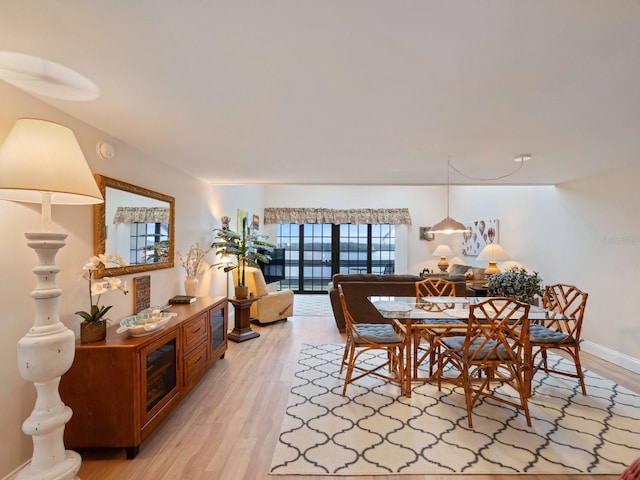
{"x":517,"y":283}
{"x":97,"y":288}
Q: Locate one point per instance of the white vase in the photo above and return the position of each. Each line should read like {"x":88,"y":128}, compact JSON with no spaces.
{"x":191,"y":286}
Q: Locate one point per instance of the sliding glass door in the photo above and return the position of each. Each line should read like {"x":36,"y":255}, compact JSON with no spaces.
{"x":314,"y":252}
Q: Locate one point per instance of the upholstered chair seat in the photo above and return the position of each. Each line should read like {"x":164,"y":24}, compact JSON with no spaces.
{"x":272,"y":305}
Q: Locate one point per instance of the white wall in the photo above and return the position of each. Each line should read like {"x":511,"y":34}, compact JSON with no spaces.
{"x":195,"y":221}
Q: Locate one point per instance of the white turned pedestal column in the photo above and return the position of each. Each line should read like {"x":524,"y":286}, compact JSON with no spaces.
{"x":45,"y":353}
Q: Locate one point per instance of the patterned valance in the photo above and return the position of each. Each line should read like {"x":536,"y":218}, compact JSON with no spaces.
{"x":358,"y":216}
{"x":141,"y":215}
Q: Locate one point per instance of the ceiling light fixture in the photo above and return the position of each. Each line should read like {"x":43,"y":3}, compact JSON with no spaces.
{"x":43,"y":77}
{"x":448,"y":225}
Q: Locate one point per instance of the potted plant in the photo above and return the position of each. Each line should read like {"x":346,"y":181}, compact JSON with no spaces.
{"x":94,"y":326}
{"x":516,"y":283}
{"x":247,"y":247}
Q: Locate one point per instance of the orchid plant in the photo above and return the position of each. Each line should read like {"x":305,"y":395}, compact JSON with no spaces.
{"x":97,"y":288}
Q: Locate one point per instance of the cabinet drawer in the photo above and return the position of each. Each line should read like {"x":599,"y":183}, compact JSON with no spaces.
{"x":195,"y":332}
{"x":195,"y":365}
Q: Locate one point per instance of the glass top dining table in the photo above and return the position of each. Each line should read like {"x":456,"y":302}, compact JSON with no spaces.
{"x":430,"y":318}
{"x":422,"y":310}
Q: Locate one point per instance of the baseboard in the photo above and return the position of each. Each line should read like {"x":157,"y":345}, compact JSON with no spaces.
{"x":620,"y":359}
{"x":15,"y":473}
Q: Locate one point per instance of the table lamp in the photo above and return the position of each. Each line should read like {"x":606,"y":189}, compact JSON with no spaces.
{"x":492,"y":253}
{"x":443,"y":251}
{"x":41,"y":162}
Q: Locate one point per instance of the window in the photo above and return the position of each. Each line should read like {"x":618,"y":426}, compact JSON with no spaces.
{"x":314,"y":252}
{"x":148,"y":243}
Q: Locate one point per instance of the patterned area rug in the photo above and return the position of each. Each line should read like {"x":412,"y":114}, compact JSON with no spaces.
{"x":312,"y":305}
{"x":375,"y":431}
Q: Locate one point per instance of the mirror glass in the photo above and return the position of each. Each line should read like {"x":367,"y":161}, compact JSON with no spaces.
{"x":135,"y":223}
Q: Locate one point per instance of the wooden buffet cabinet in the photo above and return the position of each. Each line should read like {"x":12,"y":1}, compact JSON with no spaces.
{"x":121,"y":388}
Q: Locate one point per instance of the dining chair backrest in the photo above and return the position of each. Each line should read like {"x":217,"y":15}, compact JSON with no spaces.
{"x":566,"y":304}
{"x":347,"y":316}
{"x":435,"y":287}
{"x":498,"y":331}
{"x":351,"y":331}
{"x":560,"y":330}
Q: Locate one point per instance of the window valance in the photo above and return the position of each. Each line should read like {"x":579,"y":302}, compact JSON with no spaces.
{"x":392,"y":216}
{"x":141,"y":215}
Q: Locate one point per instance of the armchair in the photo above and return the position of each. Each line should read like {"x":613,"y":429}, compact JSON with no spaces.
{"x":272,"y":306}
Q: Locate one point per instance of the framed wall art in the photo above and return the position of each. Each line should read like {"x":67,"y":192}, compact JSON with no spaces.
{"x":482,"y":232}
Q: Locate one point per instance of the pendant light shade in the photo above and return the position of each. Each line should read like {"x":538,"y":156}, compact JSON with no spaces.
{"x":448,"y":225}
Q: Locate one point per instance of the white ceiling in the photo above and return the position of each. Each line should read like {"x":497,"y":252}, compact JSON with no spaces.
{"x":352,"y":91}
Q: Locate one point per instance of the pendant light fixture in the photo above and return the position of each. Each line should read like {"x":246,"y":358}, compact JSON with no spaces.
{"x":448,"y":225}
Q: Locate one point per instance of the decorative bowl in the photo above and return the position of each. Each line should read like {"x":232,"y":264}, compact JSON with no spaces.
{"x":144,"y":323}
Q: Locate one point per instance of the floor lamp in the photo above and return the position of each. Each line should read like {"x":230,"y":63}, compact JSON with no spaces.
{"x":41,"y":162}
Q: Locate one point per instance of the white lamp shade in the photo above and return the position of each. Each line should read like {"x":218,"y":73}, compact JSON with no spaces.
{"x":493,"y":252}
{"x":443,"y":251}
{"x":41,"y":156}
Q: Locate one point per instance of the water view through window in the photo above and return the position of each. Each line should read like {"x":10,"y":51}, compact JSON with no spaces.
{"x":314,"y":252}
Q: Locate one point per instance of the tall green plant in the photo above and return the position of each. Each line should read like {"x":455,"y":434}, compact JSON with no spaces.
{"x":516,"y":283}
{"x":244,"y":246}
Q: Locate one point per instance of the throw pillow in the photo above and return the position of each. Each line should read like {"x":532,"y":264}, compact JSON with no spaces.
{"x":478,"y":273}
{"x":458,"y":269}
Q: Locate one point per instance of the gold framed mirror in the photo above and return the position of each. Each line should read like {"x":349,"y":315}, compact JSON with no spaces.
{"x":135,"y":223}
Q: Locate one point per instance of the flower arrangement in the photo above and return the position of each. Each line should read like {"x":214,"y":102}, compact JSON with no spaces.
{"x":97,"y":288}
{"x":193,"y":260}
{"x":517,"y":283}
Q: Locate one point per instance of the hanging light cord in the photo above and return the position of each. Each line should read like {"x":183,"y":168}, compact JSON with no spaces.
{"x":448,"y":185}
{"x":521,"y":162}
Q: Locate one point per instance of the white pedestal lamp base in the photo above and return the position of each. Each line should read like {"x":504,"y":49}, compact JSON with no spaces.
{"x":45,"y":353}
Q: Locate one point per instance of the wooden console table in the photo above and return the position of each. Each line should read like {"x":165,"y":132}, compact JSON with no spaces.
{"x":121,"y":388}
{"x":242,"y":330}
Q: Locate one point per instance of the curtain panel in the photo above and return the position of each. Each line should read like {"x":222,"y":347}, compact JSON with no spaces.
{"x":392,"y":216}
{"x":141,"y":215}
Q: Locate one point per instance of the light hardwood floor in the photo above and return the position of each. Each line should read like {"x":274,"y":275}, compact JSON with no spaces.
{"x":227,"y":427}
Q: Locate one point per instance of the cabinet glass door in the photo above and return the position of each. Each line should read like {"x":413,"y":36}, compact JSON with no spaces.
{"x":161,"y":373}
{"x":217,"y":328}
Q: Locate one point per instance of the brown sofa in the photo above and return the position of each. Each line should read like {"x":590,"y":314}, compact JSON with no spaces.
{"x":358,"y":287}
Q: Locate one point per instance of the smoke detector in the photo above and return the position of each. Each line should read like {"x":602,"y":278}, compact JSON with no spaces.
{"x":105,"y":150}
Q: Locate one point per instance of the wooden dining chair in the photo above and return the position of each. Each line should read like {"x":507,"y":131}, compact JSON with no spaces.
{"x":430,"y":287}
{"x":561,"y":331}
{"x":434,"y":287}
{"x":366,"y":337}
{"x":491,"y":353}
